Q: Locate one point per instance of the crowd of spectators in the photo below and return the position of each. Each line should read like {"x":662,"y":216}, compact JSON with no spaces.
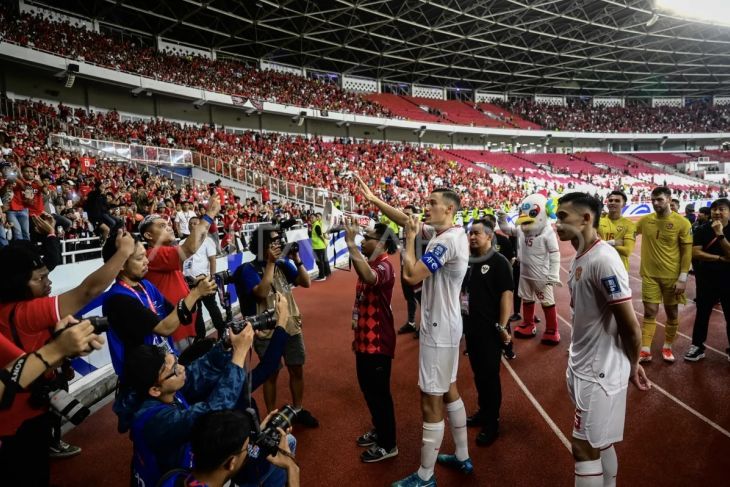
{"x":582,"y":116}
{"x":400,"y":173}
{"x":127,"y":193}
{"x":223,"y":75}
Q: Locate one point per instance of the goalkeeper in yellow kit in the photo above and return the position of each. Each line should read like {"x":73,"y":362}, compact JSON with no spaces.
{"x":666,"y":255}
{"x":617,"y":231}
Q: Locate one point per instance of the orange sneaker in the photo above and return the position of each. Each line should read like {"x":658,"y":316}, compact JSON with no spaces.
{"x":667,"y":355}
{"x":644,"y":357}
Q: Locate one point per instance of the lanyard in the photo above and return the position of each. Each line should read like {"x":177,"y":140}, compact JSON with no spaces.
{"x":150,"y":304}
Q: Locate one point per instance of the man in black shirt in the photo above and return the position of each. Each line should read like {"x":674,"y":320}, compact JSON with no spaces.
{"x":711,"y":252}
{"x":486,"y":305}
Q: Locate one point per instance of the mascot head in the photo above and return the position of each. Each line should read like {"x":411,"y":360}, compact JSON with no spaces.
{"x":534,"y":212}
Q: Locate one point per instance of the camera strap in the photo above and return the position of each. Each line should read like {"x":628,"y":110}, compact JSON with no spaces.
{"x":14,"y":329}
{"x":11,"y":380}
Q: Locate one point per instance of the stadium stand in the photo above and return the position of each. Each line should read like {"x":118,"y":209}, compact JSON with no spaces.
{"x":581,"y":116}
{"x":224,"y":75}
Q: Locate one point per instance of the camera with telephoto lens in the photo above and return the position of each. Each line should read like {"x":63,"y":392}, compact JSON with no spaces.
{"x":260,"y":322}
{"x":267,"y":440}
{"x":68,"y":406}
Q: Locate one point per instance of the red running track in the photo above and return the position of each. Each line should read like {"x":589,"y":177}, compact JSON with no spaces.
{"x":676,"y":434}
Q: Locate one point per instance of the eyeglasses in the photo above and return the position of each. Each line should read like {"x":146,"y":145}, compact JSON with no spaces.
{"x":173,"y":373}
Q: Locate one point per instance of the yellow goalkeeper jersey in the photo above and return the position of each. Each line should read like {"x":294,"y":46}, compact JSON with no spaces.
{"x":660,"y":244}
{"x":621,"y":230}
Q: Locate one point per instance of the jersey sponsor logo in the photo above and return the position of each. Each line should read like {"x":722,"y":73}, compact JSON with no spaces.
{"x":670,"y":226}
{"x":485,"y":269}
{"x":578,"y":272}
{"x":439,"y":250}
{"x":611,"y":284}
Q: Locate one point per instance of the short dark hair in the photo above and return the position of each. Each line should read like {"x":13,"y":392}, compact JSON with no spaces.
{"x":110,"y":246}
{"x":620,"y":193}
{"x":720,"y":202}
{"x":675,"y":200}
{"x":705,"y":210}
{"x":586,"y":201}
{"x":484,"y":222}
{"x":659,"y":190}
{"x":261,"y":239}
{"x":411,"y":207}
{"x":387,"y":237}
{"x":142,"y":367}
{"x":491,"y":218}
{"x":18,"y":260}
{"x":216,"y":436}
{"x":449,"y":195}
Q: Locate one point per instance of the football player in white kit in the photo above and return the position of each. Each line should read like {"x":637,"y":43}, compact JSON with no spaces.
{"x":605,"y":343}
{"x":441,"y":269}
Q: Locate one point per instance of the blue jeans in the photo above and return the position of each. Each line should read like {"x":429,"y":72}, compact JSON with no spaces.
{"x":271,"y":476}
{"x":21,"y":224}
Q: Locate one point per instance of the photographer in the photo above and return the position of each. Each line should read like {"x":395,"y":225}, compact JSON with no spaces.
{"x":203,"y":263}
{"x":28,"y":315}
{"x":166,"y":259}
{"x":161,"y":399}
{"x":256,"y":284}
{"x":22,"y":369}
{"x":20,"y":440}
{"x":219,"y":444}
{"x":138,"y":313}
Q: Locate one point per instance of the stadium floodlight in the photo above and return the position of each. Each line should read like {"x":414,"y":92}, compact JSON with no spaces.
{"x":712,"y":11}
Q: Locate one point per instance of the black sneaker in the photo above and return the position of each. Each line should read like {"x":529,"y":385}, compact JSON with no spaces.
{"x":695,"y":353}
{"x":509,"y":351}
{"x":515,"y":317}
{"x":376,"y":454}
{"x":367,"y":439}
{"x":416,"y":334}
{"x":474,"y":420}
{"x":63,"y":450}
{"x":407,"y":328}
{"x":487,"y":436}
{"x":305,"y":418}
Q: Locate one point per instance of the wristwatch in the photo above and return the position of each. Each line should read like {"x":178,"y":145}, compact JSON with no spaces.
{"x":720,"y":237}
{"x":500,"y":327}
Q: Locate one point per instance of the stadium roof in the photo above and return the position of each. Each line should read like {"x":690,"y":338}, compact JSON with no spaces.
{"x":571,"y":47}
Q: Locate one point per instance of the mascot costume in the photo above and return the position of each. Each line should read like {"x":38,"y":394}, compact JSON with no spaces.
{"x":539,"y":258}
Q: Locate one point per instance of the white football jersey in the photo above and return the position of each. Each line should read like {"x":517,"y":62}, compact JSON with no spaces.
{"x":597,"y":280}
{"x":447,"y":257}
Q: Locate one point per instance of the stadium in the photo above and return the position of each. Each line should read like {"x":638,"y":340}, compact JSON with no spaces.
{"x":247,"y":115}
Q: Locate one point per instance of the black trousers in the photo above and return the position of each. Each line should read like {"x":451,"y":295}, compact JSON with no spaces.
{"x":485,"y":354}
{"x":412,"y":299}
{"x":708,"y":294}
{"x":29,"y":446}
{"x":323,"y":265}
{"x":516,"y":299}
{"x":373,"y":375}
{"x":216,"y":316}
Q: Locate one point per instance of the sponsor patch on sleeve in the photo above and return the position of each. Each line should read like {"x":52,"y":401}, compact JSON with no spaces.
{"x":611,"y":285}
{"x":439,"y":250}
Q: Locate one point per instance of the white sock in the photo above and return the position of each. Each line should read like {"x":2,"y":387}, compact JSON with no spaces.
{"x":609,"y":461}
{"x":433,"y":435}
{"x":589,"y":474}
{"x":457,"y":423}
{"x":646,"y":349}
